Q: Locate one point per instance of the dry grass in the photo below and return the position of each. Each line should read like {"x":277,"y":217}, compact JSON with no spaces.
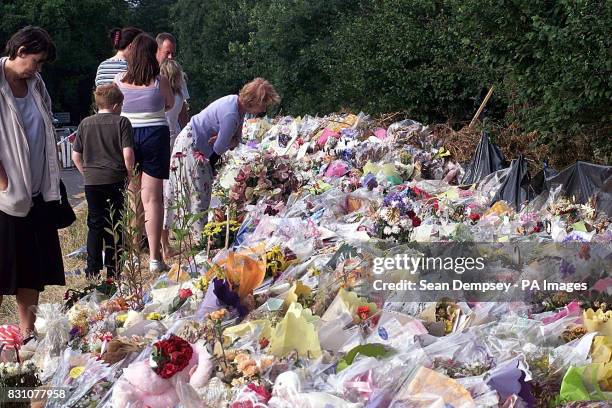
{"x":71,"y":239}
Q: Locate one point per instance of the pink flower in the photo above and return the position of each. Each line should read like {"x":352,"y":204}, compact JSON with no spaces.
{"x":199,"y":156}
{"x":240,"y":177}
{"x":184,"y":293}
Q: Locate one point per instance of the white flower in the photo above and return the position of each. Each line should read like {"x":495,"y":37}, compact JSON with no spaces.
{"x":396,"y":229}
{"x":30,"y":365}
{"x":394,"y":203}
{"x":387,"y":231}
{"x":404,"y":222}
{"x":405,"y":200}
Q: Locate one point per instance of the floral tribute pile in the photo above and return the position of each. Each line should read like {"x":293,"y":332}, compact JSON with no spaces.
{"x":286,"y":314}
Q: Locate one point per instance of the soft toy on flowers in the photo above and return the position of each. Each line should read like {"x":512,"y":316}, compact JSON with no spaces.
{"x":287,"y":393}
{"x":152,"y":383}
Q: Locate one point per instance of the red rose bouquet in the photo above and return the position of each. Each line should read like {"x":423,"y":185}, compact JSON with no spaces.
{"x":170,"y":356}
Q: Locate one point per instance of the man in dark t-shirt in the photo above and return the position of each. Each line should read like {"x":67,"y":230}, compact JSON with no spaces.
{"x":103,"y":152}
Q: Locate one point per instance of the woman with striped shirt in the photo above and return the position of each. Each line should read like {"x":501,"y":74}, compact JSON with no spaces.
{"x":122,"y":41}
{"x":147,"y":97}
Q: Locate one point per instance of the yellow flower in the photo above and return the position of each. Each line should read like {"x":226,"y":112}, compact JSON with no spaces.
{"x":154,"y":316}
{"x":314,"y":271}
{"x":275,"y":261}
{"x":121,"y":318}
{"x":201,"y":284}
{"x":76,"y":372}
{"x":217,"y":315}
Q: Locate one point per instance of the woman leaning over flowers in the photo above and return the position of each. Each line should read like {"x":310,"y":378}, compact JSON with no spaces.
{"x":201,"y":143}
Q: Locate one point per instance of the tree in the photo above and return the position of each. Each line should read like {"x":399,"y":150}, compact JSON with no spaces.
{"x":80,"y":32}
{"x":207,"y":32}
{"x":152,"y":16}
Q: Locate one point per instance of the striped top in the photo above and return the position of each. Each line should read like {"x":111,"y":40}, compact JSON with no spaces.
{"x":108,"y":69}
{"x":144,"y":106}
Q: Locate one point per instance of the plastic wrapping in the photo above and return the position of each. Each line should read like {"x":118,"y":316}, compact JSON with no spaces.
{"x":437,"y":389}
{"x":56,"y":328}
{"x":582,"y":180}
{"x":297,"y":285}
{"x":79,"y":373}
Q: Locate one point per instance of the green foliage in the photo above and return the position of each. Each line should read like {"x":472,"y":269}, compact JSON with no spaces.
{"x":151,"y":16}
{"x":370,"y":350}
{"x":550,"y":61}
{"x":555,"y":59}
{"x":206,"y":33}
{"x":80,"y":32}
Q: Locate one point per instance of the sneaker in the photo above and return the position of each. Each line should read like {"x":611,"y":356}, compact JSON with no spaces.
{"x":156,"y":266}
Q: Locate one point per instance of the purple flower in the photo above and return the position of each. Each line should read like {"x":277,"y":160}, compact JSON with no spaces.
{"x":566,"y":269}
{"x":74,"y":332}
{"x":227,"y":296}
{"x":346,"y":155}
{"x":369,"y":181}
{"x":396,"y":200}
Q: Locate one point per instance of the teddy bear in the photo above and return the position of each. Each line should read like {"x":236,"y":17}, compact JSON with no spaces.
{"x":141,"y":386}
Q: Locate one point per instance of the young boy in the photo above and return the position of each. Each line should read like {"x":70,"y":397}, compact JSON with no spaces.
{"x":103,"y":152}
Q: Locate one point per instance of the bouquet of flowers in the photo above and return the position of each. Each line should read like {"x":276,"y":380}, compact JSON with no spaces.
{"x":269,"y":176}
{"x":19,"y":375}
{"x":179,"y":300}
{"x":170,"y":356}
{"x":79,"y":317}
{"x":396,"y":217}
{"x":107,"y":287}
{"x":277,"y":261}
{"x":215,"y":232}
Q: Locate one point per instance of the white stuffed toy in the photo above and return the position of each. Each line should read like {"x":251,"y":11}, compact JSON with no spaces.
{"x":287,"y":393}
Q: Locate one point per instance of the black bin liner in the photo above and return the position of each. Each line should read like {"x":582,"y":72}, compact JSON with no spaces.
{"x":603,"y":198}
{"x":539,"y":182}
{"x":583,"y":180}
{"x":517,"y":187}
{"x":486,"y":160}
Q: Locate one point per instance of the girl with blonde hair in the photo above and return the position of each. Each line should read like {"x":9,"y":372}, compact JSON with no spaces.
{"x":172,"y":70}
{"x":209,"y":134}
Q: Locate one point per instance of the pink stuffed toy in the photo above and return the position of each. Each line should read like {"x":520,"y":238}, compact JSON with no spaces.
{"x":141,"y":386}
